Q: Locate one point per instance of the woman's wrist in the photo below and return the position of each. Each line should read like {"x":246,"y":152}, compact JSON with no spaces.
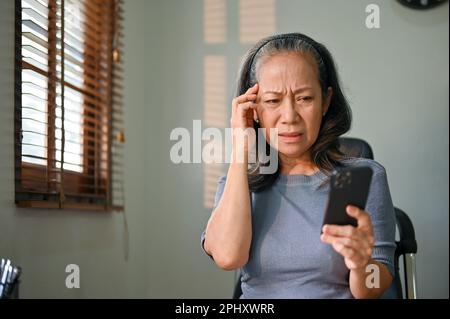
{"x":369,"y":281}
{"x":239,"y":155}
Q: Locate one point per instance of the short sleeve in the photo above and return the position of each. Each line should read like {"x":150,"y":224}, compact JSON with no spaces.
{"x":219,"y":191}
{"x":381,"y":210}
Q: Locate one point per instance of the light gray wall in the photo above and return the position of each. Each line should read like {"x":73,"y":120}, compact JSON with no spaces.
{"x":396,"y":79}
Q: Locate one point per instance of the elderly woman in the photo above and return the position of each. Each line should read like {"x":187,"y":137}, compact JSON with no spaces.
{"x":270,"y":224}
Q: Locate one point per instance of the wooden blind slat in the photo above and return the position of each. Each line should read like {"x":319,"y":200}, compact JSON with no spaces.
{"x":37,"y":6}
{"x":36,"y":15}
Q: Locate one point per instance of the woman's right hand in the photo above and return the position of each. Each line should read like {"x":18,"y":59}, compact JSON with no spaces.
{"x":242,"y":116}
{"x":243,"y":108}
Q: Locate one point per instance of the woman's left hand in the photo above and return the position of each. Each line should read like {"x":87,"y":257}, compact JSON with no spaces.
{"x":355,"y":244}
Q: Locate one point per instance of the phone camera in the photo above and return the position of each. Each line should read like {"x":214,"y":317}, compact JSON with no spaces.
{"x":343,"y":179}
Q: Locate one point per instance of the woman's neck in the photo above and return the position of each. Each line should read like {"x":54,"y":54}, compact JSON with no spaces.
{"x":303,"y":165}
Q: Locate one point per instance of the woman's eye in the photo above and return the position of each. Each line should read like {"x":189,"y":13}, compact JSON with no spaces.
{"x":304,"y":99}
{"x":273,"y":101}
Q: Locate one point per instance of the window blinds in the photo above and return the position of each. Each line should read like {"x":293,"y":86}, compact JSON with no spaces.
{"x":68,"y":109}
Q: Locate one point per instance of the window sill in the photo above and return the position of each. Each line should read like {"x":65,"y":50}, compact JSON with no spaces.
{"x":67,"y":206}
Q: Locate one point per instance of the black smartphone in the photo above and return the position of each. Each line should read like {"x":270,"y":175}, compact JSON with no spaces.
{"x":348,"y":186}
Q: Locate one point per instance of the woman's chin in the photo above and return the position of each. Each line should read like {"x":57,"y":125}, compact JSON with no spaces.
{"x":291,"y":150}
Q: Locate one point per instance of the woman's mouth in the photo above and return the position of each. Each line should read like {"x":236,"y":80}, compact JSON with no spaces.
{"x":290,"y":137}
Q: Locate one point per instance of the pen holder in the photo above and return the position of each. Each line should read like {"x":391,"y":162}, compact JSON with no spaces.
{"x":9,"y":279}
{"x":10,"y":291}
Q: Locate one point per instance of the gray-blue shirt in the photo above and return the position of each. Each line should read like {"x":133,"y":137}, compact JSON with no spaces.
{"x":287,"y":258}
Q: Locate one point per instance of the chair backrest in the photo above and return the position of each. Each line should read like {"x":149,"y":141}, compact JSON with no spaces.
{"x":355,"y":147}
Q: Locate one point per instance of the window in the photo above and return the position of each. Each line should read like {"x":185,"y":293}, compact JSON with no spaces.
{"x":68,"y":106}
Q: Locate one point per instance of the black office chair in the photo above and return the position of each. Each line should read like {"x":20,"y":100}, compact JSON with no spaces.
{"x":406,"y":246}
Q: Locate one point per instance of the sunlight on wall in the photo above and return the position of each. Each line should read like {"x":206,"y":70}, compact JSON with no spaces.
{"x":215,"y":20}
{"x":256,"y":19}
{"x":214,"y":115}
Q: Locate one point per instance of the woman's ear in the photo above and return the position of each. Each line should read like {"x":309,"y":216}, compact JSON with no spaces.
{"x":327,"y":101}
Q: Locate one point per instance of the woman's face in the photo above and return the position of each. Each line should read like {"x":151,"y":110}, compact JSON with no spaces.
{"x":290,"y":99}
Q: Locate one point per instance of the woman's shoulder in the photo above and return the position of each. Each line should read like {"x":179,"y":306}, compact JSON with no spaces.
{"x":376,"y":167}
{"x":222,"y":179}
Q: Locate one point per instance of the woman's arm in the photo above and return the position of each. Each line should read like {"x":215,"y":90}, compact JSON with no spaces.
{"x":229,"y":229}
{"x":371,"y":245}
{"x":370,"y":281}
{"x":368,"y":278}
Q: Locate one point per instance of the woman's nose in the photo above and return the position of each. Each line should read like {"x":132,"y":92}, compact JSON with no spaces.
{"x":289,"y":113}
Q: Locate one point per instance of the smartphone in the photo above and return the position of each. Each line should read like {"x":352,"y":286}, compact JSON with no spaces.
{"x":348,"y":186}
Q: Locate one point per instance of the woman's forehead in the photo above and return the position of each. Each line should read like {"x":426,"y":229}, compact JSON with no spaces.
{"x":292,"y":69}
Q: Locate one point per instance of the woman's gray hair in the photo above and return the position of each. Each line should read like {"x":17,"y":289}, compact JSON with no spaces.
{"x":287,"y":44}
{"x":337,"y":121}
